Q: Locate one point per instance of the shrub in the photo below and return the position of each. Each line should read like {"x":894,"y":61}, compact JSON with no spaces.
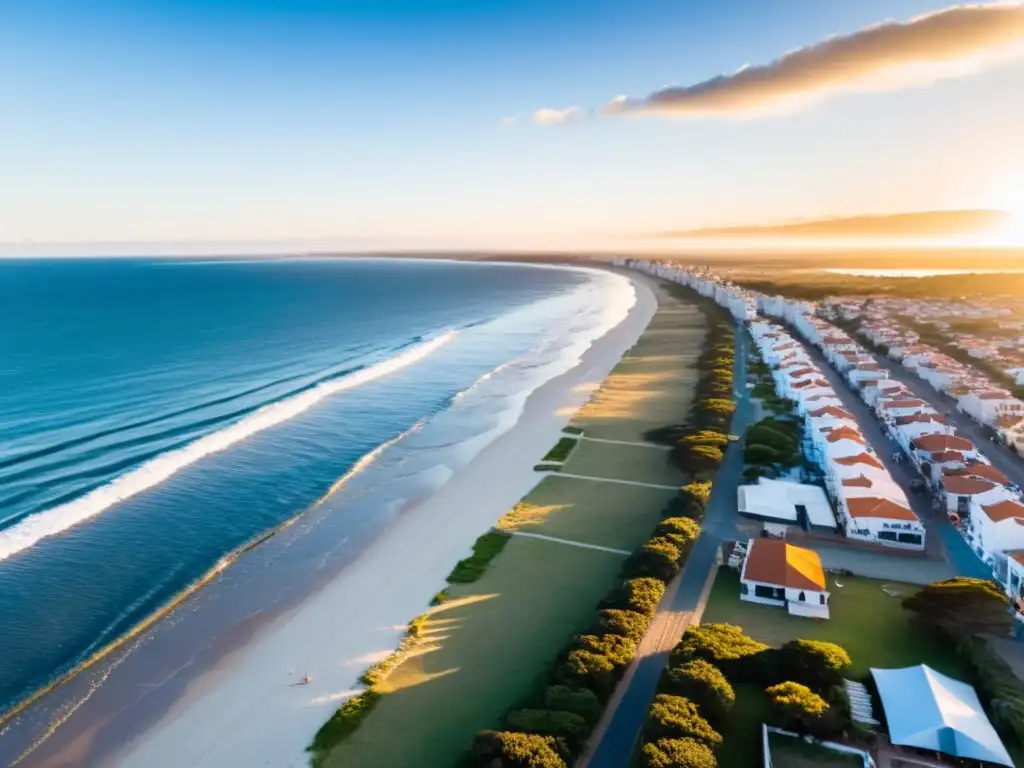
{"x":997,"y":684}
{"x":582,"y":701}
{"x":620,"y":650}
{"x":726,"y":647}
{"x":589,"y":670}
{"x":681,"y":526}
{"x":640,"y":595}
{"x":705,"y":437}
{"x":615,"y":621}
{"x":688,"y":502}
{"x":343,"y":722}
{"x":962,"y":607}
{"x":698,"y":458}
{"x":815,"y":663}
{"x":504,"y":749}
{"x":762,"y":454}
{"x":673,"y":717}
{"x":796,"y":706}
{"x":677,"y":753}
{"x":485,"y":549}
{"x":658,"y":558}
{"x":568,"y":725}
{"x":561,"y":450}
{"x":717,"y":405}
{"x":704,"y":684}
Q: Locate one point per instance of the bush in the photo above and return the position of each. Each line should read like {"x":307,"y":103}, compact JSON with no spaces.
{"x":620,"y":650}
{"x":815,"y":663}
{"x":962,"y":607}
{"x":342,"y":723}
{"x":582,"y":701}
{"x":704,"y":684}
{"x":561,"y":450}
{"x":503,"y":749}
{"x":589,"y":670}
{"x":717,"y":405}
{"x":726,"y":647}
{"x":640,"y":595}
{"x":797,"y":707}
{"x":567,"y":725}
{"x":698,"y":458}
{"x":485,"y":549}
{"x":615,"y":621}
{"x":997,"y":684}
{"x":706,"y":437}
{"x":673,"y":717}
{"x":762,"y":454}
{"x":677,"y":753}
{"x":680,"y":526}
{"x":658,"y":558}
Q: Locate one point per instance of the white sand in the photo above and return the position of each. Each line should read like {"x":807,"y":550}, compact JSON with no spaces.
{"x":243,"y":713}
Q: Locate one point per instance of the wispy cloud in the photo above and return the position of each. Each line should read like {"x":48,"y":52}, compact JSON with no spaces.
{"x":548,"y":116}
{"x":894,"y":54}
{"x":510,"y":120}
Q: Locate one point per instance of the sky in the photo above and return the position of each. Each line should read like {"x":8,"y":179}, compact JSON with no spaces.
{"x":492,"y":123}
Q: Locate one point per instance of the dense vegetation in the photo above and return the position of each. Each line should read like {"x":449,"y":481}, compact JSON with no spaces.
{"x":815,"y":286}
{"x":802,"y":681}
{"x":773,"y":445}
{"x":485,"y":549}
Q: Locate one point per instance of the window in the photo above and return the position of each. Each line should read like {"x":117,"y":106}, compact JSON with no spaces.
{"x":1015,"y":580}
{"x":767,"y":592}
{"x":821,"y":599}
{"x":802,"y":598}
{"x":909,"y":538}
{"x":887,"y":535}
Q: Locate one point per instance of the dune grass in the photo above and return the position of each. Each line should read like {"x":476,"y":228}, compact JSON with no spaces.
{"x":485,"y":549}
{"x":560,"y":452}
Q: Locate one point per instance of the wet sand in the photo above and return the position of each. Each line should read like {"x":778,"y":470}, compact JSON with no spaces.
{"x":210,"y":684}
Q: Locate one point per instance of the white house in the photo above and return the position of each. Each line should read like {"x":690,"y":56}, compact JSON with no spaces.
{"x":777,"y":573}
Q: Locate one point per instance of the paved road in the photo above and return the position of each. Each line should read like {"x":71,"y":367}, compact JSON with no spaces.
{"x":680,"y":609}
{"x":1004,"y":459}
{"x":939,"y":529}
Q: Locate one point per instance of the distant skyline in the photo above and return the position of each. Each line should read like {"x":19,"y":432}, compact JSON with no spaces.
{"x":392,"y":124}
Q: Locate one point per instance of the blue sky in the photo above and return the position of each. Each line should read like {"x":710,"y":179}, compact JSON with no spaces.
{"x":381,"y":121}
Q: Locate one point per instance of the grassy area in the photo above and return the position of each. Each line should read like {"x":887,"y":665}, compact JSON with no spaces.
{"x":653,"y":383}
{"x":789,"y":752}
{"x":483,"y":651}
{"x":642,"y":465}
{"x":561,"y":450}
{"x":741,"y":746}
{"x":868,"y":623}
{"x":606,"y":514}
{"x":485,"y":549}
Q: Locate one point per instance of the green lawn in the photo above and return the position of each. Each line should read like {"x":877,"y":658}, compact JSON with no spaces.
{"x":606,"y":514}
{"x":868,"y":623}
{"x":623,"y":462}
{"x":487,"y":648}
{"x":741,"y":747}
{"x":561,"y":450}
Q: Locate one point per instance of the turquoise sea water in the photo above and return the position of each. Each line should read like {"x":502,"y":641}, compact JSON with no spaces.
{"x":155,"y":416}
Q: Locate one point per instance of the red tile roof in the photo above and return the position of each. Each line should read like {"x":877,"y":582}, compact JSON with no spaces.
{"x":978,"y":469}
{"x":936,"y":443}
{"x":831,"y":410}
{"x":776,"y":562}
{"x":845,"y":433}
{"x":965,"y":486}
{"x":1004,"y":510}
{"x":877,"y":507}
{"x":860,"y":458}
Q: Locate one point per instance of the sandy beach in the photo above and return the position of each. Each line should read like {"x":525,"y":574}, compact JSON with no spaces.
{"x":236,"y":704}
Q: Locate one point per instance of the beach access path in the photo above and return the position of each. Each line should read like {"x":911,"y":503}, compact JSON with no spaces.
{"x":616,"y":735}
{"x":492,"y":641}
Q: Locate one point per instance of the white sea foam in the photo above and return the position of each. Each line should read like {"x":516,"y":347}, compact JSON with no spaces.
{"x":57,"y":519}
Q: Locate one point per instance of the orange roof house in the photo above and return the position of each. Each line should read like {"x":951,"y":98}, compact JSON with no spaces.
{"x":770,"y":561}
{"x":874,"y":506}
{"x":936,"y":443}
{"x":965,"y":486}
{"x":1004,"y":510}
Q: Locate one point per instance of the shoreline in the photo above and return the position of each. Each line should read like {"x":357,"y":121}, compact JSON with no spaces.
{"x":226,"y":687}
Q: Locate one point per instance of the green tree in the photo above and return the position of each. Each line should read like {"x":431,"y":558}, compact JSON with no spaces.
{"x":568,"y":725}
{"x":505,"y":749}
{"x":698,"y":458}
{"x":962,"y":607}
{"x":706,"y":437}
{"x":640,"y":595}
{"x":582,"y":701}
{"x":704,"y":684}
{"x":726,"y":647}
{"x":797,"y":707}
{"x":619,"y":649}
{"x":658,"y":558}
{"x":815,"y":663}
{"x":590,"y":670}
{"x":674,"y":717}
{"x":616,"y":621}
{"x":682,"y":526}
{"x":677,"y":753}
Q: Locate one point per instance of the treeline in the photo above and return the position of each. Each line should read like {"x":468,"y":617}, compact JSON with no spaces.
{"x":551,"y":727}
{"x":816,"y":286}
{"x":802,"y":679}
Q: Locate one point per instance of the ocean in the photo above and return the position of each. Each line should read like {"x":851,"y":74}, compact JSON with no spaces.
{"x":159,"y":417}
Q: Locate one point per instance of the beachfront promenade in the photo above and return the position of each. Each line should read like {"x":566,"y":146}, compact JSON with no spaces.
{"x":617,"y":733}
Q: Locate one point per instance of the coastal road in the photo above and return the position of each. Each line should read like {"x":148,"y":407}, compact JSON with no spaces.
{"x":617,"y":734}
{"x":939,"y":530}
{"x":1002,"y":457}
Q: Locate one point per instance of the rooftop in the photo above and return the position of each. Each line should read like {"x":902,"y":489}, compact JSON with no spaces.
{"x":775,"y":562}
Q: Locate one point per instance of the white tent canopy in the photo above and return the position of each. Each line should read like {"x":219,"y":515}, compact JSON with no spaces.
{"x":926,"y":709}
{"x":779,"y":500}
